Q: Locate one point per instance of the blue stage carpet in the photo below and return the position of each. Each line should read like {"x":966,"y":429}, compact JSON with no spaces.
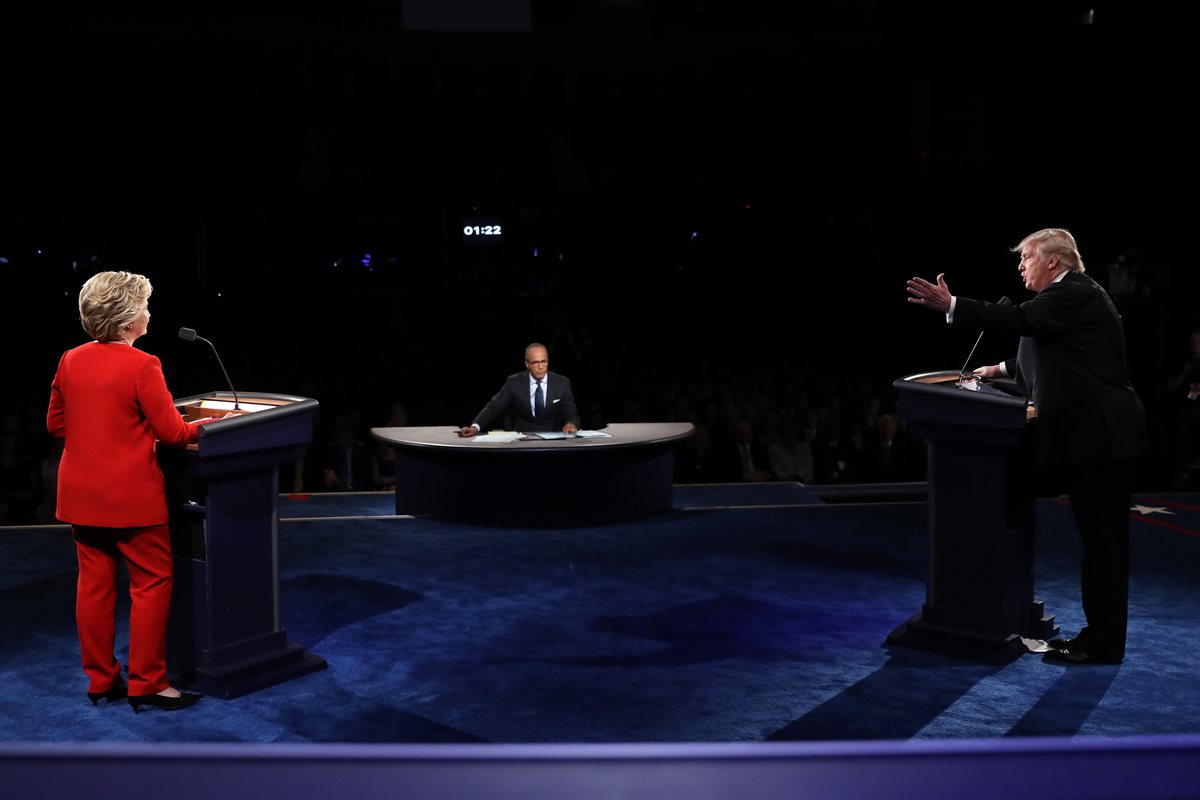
{"x":712,"y":623}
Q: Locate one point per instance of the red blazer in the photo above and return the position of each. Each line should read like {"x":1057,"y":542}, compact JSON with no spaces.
{"x":111,"y":403}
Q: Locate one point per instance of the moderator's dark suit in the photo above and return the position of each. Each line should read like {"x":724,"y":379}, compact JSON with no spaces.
{"x":1089,"y":431}
{"x":511,"y":405}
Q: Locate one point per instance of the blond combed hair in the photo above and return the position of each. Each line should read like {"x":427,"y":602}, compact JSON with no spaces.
{"x":1055,"y":242}
{"x":109,"y":300}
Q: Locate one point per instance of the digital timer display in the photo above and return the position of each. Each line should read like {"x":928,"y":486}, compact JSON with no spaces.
{"x":476,"y":229}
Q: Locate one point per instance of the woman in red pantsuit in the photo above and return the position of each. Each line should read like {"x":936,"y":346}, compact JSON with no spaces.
{"x":110,"y":402}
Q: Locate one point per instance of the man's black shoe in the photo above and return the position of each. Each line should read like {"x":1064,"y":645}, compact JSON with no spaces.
{"x":1064,"y":644}
{"x":1077,"y":656}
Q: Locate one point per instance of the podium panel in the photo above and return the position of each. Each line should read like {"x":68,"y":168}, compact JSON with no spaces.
{"x":981,"y":525}
{"x":224,"y":637}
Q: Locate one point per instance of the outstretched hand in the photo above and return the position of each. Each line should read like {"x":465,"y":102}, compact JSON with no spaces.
{"x":935,"y":296}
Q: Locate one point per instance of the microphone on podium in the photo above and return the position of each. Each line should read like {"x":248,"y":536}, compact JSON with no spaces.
{"x":962,"y":373}
{"x":189,"y":335}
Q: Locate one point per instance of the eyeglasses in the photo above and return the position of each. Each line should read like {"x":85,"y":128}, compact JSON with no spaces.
{"x":541,"y":363}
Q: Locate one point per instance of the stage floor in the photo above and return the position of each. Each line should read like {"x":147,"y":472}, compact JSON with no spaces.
{"x":749,"y":614}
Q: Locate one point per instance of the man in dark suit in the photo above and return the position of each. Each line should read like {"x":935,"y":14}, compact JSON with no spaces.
{"x":888,"y":453}
{"x":742,"y":457}
{"x":1090,"y":427}
{"x":535,"y":399}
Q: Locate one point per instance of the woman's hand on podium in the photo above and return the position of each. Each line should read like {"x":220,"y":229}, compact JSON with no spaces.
{"x":227,"y":415}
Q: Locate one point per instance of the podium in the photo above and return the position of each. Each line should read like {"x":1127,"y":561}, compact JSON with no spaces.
{"x":979,"y":595}
{"x":224,"y":636}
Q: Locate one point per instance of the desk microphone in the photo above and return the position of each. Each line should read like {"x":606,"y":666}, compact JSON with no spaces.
{"x":962,"y":373}
{"x":189,"y":335}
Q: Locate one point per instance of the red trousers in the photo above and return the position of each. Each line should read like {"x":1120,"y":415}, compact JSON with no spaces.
{"x":147,"y":554}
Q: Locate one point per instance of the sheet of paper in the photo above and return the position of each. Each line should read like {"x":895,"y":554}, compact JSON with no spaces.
{"x":592,"y":435}
{"x":976,"y":385}
{"x":227,"y":405}
{"x":496,"y":437}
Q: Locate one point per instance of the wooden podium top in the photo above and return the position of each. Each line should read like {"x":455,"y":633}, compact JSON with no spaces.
{"x":262,"y":420}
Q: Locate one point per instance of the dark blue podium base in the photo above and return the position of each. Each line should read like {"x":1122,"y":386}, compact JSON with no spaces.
{"x":234,"y":679}
{"x":980,"y":640}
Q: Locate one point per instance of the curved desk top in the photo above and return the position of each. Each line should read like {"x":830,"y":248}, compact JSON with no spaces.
{"x":621,"y":434}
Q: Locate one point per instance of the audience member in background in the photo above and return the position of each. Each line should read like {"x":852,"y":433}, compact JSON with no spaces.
{"x":790,"y":456}
{"x":834,"y":458}
{"x":746,"y":458}
{"x":384,"y":461}
{"x":1183,"y":417}
{"x":889,"y":455}
{"x":45,"y":513}
{"x":110,"y":403}
{"x":18,"y":481}
{"x":349,"y":465}
{"x":694,"y":460}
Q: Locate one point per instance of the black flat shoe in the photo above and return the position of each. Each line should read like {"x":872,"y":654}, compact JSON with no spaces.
{"x":184,"y":700}
{"x":117,"y":692}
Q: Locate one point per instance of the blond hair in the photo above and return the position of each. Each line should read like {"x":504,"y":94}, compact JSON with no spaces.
{"x":109,"y":300}
{"x":1055,"y":242}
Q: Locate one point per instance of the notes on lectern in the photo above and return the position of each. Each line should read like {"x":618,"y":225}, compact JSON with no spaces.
{"x":227,"y":405}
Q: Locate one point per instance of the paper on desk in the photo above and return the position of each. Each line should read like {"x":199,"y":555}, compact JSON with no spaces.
{"x":592,"y":435}
{"x":496,"y":437}
{"x":976,"y":385}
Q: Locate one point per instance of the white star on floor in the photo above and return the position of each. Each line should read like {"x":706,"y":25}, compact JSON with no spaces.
{"x":1144,"y":510}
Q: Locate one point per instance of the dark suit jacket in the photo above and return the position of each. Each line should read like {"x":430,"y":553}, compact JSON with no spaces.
{"x":511,"y":405}
{"x":1071,"y":364}
{"x":898,"y":463}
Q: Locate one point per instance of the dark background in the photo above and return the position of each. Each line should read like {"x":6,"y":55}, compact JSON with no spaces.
{"x":705,"y":204}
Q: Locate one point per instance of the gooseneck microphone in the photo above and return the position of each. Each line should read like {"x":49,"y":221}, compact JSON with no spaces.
{"x":962,"y":373}
{"x":189,"y":335}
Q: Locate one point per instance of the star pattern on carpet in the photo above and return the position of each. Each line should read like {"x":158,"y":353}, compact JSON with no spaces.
{"x":1145,"y":510}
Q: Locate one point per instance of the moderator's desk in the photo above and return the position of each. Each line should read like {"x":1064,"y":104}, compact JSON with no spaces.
{"x":630,"y":472}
